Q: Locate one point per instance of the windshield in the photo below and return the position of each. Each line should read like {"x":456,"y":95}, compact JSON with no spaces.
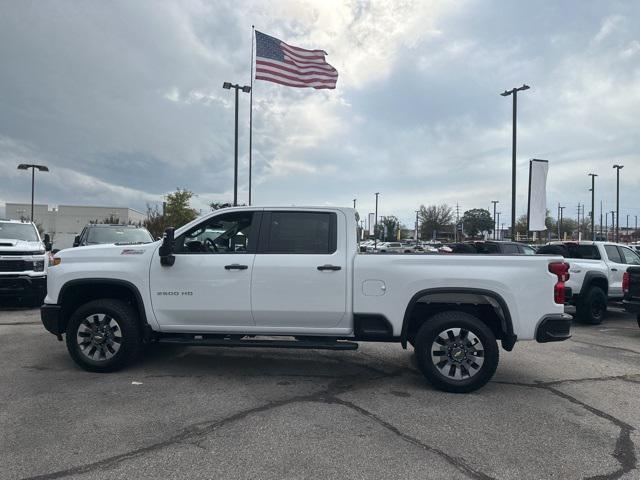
{"x":118,"y":235}
{"x":19,"y":231}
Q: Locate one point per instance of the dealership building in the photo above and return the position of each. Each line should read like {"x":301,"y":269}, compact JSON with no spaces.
{"x":64,"y":222}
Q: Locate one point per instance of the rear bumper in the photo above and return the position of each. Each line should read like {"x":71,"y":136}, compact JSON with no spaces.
{"x":554,"y":328}
{"x":51,"y":316}
{"x":632,"y":306}
{"x":21,"y":285}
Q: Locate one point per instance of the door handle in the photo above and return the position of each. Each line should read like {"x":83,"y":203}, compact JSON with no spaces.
{"x":329,"y":267}
{"x":614,"y":269}
{"x":236,"y":266}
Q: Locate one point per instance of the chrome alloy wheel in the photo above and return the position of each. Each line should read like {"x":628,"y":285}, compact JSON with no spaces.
{"x":99,"y":337}
{"x":457,"y":353}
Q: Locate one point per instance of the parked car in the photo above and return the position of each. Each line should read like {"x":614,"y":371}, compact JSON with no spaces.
{"x":301,"y":276}
{"x":502,"y":247}
{"x":98,"y":233}
{"x":391,"y":247}
{"x":597,"y":270}
{"x":631,"y":291}
{"x":23,"y":261}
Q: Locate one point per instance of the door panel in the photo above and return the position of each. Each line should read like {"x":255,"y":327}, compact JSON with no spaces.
{"x":288,"y":289}
{"x":616,"y":270}
{"x":209,"y":285}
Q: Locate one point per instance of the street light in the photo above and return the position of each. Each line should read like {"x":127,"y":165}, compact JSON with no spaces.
{"x":497,"y":237}
{"x":245,"y":89}
{"x":618,"y":167}
{"x":33,"y":167}
{"x":354,"y":203}
{"x":417,"y":211}
{"x":494,"y":217}
{"x":506,"y":93}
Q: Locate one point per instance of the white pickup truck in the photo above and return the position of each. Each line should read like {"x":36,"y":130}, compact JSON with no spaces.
{"x":294,"y":276}
{"x":596,"y":270}
{"x":23,"y":261}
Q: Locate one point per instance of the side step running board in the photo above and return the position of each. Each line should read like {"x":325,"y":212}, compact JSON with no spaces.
{"x":240,"y":343}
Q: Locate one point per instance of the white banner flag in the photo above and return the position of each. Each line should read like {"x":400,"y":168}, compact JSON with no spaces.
{"x":372,"y":223}
{"x":538,"y":170}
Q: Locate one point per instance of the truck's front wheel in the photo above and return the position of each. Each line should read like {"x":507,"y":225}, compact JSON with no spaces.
{"x":103,"y":335}
{"x":456,"y":352}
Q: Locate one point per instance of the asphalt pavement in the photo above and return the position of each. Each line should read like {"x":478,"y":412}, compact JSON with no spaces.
{"x":561,"y":410}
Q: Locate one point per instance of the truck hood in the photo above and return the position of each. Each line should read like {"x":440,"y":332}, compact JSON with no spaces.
{"x":108,"y":250}
{"x":11,"y":245}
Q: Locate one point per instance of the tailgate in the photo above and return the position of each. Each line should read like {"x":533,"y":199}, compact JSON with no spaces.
{"x":634,"y":283}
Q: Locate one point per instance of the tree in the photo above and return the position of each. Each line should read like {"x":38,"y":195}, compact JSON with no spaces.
{"x":477,"y":220}
{"x":155,"y":222}
{"x":390,"y":226}
{"x":178,"y":211}
{"x":434,"y":218}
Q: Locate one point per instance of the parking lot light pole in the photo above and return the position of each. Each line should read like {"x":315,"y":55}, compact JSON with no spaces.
{"x":593,"y":207}
{"x":33,"y":167}
{"x":375,"y":228}
{"x":613,"y":226}
{"x":494,"y":217}
{"x":498,"y":225}
{"x":618,"y":168}
{"x":506,"y":93}
{"x":416,"y":235}
{"x":245,"y":89}
{"x":354,"y":203}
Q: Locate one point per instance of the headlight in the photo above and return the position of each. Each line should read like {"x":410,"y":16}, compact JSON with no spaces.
{"x":38,"y":265}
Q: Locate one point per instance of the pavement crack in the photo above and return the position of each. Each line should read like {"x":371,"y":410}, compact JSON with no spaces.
{"x":624,"y":450}
{"x":194,"y":433}
{"x":457,"y":462}
{"x":622,"y":349}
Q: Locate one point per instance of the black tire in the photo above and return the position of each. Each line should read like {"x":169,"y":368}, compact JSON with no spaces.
{"x":111,"y":332}
{"x":438,"y":372}
{"x":592,"y":308}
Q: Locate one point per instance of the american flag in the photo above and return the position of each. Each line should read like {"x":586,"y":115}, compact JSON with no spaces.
{"x":281,"y":63}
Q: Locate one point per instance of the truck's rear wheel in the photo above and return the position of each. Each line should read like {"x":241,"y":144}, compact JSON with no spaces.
{"x":456,"y":352}
{"x":103,"y":335}
{"x":593,"y":307}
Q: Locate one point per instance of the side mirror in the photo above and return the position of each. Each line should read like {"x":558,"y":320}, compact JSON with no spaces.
{"x":165,"y":251}
{"x":76,"y":241}
{"x":47,"y":242}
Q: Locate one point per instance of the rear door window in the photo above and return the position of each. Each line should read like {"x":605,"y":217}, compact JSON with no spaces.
{"x":613,"y":254}
{"x":300,"y":233}
{"x":587,"y":252}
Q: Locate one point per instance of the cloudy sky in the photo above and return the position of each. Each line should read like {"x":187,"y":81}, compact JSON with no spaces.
{"x":123,"y":101}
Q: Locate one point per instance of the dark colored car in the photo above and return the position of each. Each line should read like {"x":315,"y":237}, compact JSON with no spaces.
{"x":96,"y":234}
{"x":631,"y":290}
{"x":502,"y":247}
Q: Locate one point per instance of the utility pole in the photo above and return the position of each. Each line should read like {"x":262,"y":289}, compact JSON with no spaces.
{"x":494,"y":217}
{"x":560,"y":224}
{"x":375,"y":228}
{"x":613,"y":229}
{"x":578,"y":220}
{"x":601,"y":218}
{"x":618,"y":168}
{"x":514,"y":93}
{"x":354,"y":203}
{"x":417,"y":211}
{"x":593,"y":197}
{"x":498,"y":224}
{"x":627,"y":232}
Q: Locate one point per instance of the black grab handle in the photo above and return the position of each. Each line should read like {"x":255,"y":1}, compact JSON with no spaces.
{"x":236,"y":266}
{"x":329,"y":267}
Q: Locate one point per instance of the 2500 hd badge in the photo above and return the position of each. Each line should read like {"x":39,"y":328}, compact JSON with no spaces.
{"x":186,"y":294}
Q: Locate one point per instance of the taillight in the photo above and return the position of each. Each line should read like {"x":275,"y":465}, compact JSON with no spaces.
{"x":561,"y":270}
{"x":625,"y":283}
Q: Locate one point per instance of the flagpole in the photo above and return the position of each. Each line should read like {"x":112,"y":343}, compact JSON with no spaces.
{"x":253,"y":36}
